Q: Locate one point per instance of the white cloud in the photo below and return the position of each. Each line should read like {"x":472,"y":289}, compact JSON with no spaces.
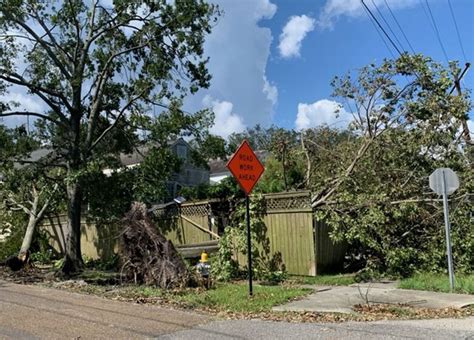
{"x":226,"y":121}
{"x":239,"y":48}
{"x":264,"y":10}
{"x":270,"y":90}
{"x":293,"y":34}
{"x":470,"y":125}
{"x":334,"y":9}
{"x":322,"y":112}
{"x":25,"y":102}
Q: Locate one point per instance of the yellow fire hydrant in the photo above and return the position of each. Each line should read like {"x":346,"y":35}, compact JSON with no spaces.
{"x":203,"y":268}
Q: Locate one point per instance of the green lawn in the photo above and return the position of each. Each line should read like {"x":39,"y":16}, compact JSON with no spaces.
{"x":229,"y":297}
{"x":326,"y":280}
{"x":439,"y":283}
{"x":233,"y":297}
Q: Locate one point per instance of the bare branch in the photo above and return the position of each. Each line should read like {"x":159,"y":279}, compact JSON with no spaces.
{"x":121,"y":113}
{"x":46,"y":203}
{"x":323,"y":196}
{"x":308,"y":160}
{"x":12,"y":201}
{"x":45,"y":45}
{"x":49,"y":33}
{"x":17,"y":79}
{"x":29,"y":113}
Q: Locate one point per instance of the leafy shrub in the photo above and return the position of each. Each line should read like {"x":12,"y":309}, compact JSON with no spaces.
{"x":266,"y":266}
{"x":16,"y":224}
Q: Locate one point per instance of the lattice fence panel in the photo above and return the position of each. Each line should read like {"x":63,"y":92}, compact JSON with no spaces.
{"x":166,"y":213}
{"x":300,"y":202}
{"x":195,"y":209}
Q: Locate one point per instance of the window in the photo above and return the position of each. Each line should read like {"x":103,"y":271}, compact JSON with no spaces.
{"x":181,"y":151}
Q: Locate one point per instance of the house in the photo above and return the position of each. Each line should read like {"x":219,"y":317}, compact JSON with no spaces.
{"x":218,"y":167}
{"x":189,"y":175}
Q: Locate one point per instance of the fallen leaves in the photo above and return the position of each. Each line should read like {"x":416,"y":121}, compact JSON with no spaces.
{"x":362,"y":312}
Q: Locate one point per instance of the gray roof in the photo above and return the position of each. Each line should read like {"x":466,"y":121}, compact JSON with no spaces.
{"x":138,"y":154}
{"x":35,"y":156}
{"x":134,"y":158}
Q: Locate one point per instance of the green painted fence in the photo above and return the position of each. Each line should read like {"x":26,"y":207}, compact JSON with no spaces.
{"x":290,"y":229}
{"x":304,"y":244}
{"x":289,"y":222}
{"x":180,"y":230}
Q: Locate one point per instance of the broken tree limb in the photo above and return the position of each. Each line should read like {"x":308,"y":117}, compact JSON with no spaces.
{"x":200,"y":227}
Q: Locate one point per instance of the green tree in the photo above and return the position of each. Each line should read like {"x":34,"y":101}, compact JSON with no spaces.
{"x":99,"y":70}
{"x":371,"y":182}
{"x":24,"y":187}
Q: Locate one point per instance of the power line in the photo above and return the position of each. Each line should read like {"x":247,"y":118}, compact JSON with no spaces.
{"x":457,"y":30}
{"x":399,"y":26}
{"x":380,"y":34}
{"x":435,"y":27}
{"x":388,"y":25}
{"x":381,"y":27}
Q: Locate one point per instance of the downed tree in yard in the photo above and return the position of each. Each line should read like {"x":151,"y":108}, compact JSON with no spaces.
{"x":147,"y":257}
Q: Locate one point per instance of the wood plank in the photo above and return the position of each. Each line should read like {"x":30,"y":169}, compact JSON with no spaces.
{"x":200,"y":227}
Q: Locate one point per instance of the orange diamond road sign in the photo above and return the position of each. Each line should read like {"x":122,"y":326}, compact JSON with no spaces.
{"x":245,"y":167}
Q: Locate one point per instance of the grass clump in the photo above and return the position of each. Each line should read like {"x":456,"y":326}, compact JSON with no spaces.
{"x":233,"y":297}
{"x":463,"y":284}
{"x":326,"y":280}
{"x":223,"y":297}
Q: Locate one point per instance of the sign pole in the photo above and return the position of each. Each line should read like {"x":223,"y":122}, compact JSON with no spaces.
{"x":246,"y":169}
{"x":249,"y":243}
{"x":448,"y":239}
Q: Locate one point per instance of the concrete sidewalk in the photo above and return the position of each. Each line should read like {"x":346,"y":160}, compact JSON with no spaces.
{"x":341,"y":299}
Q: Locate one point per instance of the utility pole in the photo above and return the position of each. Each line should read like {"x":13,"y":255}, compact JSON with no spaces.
{"x":457,"y":85}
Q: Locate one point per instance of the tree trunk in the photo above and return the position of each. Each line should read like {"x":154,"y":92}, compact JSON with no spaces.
{"x":28,"y":238}
{"x":73,"y":259}
{"x":30,"y":229}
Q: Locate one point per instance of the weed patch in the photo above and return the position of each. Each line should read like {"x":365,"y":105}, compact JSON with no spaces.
{"x":463,"y":284}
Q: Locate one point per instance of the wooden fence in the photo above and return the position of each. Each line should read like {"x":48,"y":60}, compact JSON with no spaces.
{"x":289,"y":223}
{"x":290,"y":229}
{"x":190,"y":223}
{"x":97,"y":241}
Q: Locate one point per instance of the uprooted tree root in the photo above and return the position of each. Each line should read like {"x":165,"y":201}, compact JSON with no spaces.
{"x":146,"y":256}
{"x":16,"y":262}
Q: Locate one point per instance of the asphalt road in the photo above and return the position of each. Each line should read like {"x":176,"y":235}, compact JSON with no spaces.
{"x":32,"y":312}
{"x":255,"y":329}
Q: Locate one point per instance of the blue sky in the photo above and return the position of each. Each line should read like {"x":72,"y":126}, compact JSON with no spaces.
{"x":272,"y":60}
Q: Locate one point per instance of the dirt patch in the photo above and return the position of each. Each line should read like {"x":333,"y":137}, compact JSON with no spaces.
{"x":28,"y":275}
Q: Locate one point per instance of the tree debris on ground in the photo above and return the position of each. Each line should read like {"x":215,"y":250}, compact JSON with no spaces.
{"x":146,"y":256}
{"x":14,"y":262}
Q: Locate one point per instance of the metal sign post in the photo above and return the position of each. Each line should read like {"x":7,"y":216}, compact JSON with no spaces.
{"x":246,"y":169}
{"x":249,"y":244}
{"x":448,"y":232}
{"x":444,"y":181}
